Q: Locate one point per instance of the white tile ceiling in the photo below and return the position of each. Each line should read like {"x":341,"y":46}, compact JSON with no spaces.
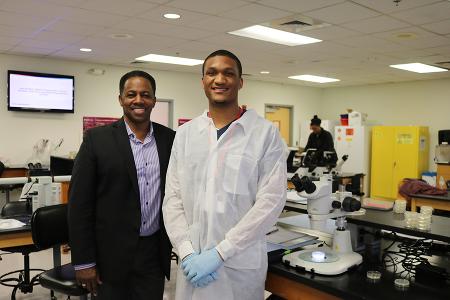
{"x":342,"y":13}
{"x":425,"y":14}
{"x":299,"y":5}
{"x":361,"y":39}
{"x":255,"y":13}
{"x":442,"y":27}
{"x":375,"y":24}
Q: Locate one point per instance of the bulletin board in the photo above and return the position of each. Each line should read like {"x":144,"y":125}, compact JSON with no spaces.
{"x":162,"y":113}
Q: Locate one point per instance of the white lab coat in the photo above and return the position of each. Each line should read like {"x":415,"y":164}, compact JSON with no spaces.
{"x":225,"y":193}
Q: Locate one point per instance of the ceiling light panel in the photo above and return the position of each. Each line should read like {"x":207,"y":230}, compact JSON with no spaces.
{"x":418,"y":68}
{"x":314,"y":78}
{"x":175,"y":60}
{"x":277,"y":36}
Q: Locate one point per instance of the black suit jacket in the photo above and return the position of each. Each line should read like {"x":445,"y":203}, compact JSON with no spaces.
{"x":104,"y":206}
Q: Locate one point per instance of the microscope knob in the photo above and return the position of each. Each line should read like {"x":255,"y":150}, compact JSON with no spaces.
{"x":351,"y":204}
{"x":336,"y":204}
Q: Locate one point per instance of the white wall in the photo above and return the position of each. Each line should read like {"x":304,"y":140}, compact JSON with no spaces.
{"x":97,"y":96}
{"x":305,"y":101}
{"x":425,"y":103}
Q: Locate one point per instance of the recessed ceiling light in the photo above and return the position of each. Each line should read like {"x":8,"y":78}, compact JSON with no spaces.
{"x":405,"y":35}
{"x":170,"y":60}
{"x":314,"y":78}
{"x":274,"y":35}
{"x":264,"y":72}
{"x":172,"y":16}
{"x":121,"y":36}
{"x":418,"y":68}
{"x":85,"y":49}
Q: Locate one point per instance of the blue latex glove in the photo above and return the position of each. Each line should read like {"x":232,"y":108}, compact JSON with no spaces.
{"x":201,"y":265}
{"x":188,"y":257}
{"x":206,"y":280}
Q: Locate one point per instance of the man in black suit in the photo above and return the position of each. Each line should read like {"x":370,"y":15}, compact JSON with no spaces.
{"x":120,"y":249}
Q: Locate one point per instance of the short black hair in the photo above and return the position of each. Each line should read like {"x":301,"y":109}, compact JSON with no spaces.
{"x":316,"y":120}
{"x":223,"y":53}
{"x":137,"y":73}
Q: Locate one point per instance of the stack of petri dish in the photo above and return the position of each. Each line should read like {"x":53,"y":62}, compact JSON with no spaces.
{"x":399,"y":206}
{"x":411,"y":219}
{"x":423,"y":222}
{"x":401,"y":284}
{"x":424,"y":218}
{"x":426,"y":210}
{"x":373,"y":276}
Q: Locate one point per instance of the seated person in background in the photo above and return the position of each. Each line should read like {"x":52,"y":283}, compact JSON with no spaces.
{"x":319,"y":138}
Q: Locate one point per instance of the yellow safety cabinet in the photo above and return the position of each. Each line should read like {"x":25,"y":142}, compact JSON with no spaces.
{"x":397,"y":152}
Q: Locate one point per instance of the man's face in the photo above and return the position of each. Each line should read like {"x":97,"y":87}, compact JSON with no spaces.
{"x":137,"y":100}
{"x":315,"y":129}
{"x":221,"y":80}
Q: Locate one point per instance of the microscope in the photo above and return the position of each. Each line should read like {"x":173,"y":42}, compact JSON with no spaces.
{"x":315,"y":163}
{"x":338,"y":257}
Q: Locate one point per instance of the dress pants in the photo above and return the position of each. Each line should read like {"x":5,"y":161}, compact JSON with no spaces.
{"x":145,"y":280}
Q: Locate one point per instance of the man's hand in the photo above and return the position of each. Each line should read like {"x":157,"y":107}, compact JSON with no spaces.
{"x":88,"y":279}
{"x":206,"y":280}
{"x":201,"y":265}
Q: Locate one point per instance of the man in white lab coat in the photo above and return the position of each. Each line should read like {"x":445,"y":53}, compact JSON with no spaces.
{"x":225,"y":188}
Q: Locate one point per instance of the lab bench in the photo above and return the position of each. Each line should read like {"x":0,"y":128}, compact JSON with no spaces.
{"x":295,"y":283}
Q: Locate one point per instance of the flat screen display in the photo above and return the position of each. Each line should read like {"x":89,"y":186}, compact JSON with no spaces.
{"x":30,"y":91}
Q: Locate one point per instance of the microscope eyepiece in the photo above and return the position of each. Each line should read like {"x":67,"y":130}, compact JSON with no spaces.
{"x":303,"y":184}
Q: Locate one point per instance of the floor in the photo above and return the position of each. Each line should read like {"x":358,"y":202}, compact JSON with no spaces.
{"x":43,"y":260}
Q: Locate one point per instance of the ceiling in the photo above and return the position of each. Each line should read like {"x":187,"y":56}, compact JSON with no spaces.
{"x":361,"y":38}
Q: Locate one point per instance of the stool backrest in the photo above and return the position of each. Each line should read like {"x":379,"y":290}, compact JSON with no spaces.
{"x":49,"y":226}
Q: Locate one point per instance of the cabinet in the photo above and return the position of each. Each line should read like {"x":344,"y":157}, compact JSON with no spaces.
{"x":398,"y":152}
{"x":443,"y":175}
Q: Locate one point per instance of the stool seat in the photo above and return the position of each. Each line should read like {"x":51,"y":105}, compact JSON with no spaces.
{"x":62,"y":279}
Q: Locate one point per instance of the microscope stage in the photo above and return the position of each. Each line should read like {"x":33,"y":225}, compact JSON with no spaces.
{"x":323,"y":260}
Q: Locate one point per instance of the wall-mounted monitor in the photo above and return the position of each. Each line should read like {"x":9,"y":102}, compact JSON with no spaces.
{"x":30,"y":91}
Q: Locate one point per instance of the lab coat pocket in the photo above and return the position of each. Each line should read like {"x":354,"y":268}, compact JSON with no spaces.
{"x":237,"y":174}
{"x":250,"y":258}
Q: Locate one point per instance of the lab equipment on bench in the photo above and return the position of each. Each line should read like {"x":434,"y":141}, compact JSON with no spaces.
{"x":442,"y":154}
{"x":377,"y":204}
{"x":321,"y":206}
{"x":315,"y":163}
{"x":39,"y":190}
